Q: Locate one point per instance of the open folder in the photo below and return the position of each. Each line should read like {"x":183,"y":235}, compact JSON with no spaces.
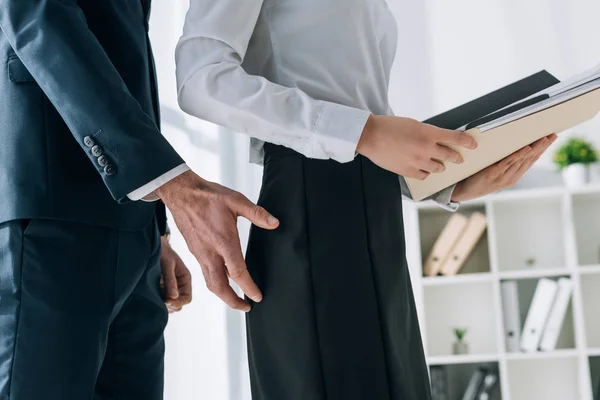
{"x":511,"y":118}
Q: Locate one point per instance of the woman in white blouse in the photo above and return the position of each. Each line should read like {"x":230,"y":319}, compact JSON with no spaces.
{"x":308,"y":81}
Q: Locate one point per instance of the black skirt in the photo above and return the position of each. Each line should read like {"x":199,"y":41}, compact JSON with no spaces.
{"x":338,"y":320}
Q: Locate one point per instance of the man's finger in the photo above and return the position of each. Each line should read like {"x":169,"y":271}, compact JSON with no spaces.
{"x":238,"y":272}
{"x":184,"y":282}
{"x":181,"y":301}
{"x":218,"y":284}
{"x":173,"y":309}
{"x":213,"y":269}
{"x":255,"y":214}
{"x":170,"y":281}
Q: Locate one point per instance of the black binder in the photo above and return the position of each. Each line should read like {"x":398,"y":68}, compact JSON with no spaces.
{"x":496,"y":104}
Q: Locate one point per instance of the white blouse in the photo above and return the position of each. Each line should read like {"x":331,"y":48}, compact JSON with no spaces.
{"x":305,"y":74}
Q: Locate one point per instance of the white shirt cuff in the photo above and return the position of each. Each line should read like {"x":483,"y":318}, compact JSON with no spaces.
{"x":444,"y":199}
{"x":338,"y":131}
{"x":150,"y":187}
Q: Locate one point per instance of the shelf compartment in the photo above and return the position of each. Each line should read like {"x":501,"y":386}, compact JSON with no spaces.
{"x":529,"y":229}
{"x":465,"y":305}
{"x":586,"y":218}
{"x":595,"y":375}
{"x":457,"y":377}
{"x":593,"y":351}
{"x":566,"y":339}
{"x":590,"y":296}
{"x":544,"y":378}
{"x":431,"y":224}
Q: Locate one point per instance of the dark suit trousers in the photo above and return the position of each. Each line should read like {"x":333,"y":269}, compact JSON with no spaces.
{"x":81,"y":312}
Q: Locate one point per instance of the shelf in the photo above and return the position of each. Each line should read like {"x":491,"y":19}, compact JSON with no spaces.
{"x":589,"y":269}
{"x":521,"y":194}
{"x":593,"y":352}
{"x":589,"y":189}
{"x":540,"y":355}
{"x":487,"y":358}
{"x":457,"y":279}
{"x":528,"y":194}
{"x":586,"y":219}
{"x":542,"y":232}
{"x":462,"y":359}
{"x":431,"y":205}
{"x":534,"y":273}
{"x":590,"y":296}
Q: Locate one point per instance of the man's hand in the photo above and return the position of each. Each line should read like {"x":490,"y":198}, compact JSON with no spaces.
{"x":411,"y":148}
{"x":176,"y":280}
{"x":503,"y":174}
{"x":206,"y":214}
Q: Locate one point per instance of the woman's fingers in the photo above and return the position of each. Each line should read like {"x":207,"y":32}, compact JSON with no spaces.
{"x":433,"y":166}
{"x":519,"y":168}
{"x":445,"y":153}
{"x":458,"y":138}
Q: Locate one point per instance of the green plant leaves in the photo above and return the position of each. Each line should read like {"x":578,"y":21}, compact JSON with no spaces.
{"x":576,"y":150}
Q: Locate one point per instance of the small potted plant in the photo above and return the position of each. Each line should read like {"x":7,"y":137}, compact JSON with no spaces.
{"x":460,"y":346}
{"x":573,"y":159}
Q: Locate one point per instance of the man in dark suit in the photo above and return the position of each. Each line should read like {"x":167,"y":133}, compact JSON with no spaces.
{"x":82,"y":165}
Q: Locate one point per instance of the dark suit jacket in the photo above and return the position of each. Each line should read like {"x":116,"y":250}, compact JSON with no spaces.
{"x":75,"y":73}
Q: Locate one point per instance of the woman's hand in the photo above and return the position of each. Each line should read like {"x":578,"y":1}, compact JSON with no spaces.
{"x":503,"y":174}
{"x":176,"y":280}
{"x":411,"y":148}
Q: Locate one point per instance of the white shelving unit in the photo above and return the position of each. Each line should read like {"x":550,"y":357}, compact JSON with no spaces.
{"x":558,"y":228}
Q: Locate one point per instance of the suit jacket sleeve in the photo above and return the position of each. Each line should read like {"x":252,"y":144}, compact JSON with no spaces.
{"x":52,"y":40}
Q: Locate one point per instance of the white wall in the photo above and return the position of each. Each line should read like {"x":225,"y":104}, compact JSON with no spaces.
{"x":453,"y":51}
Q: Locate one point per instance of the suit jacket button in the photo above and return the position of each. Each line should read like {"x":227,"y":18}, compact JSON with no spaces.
{"x":88,"y":141}
{"x":110,"y":170}
{"x":96,"y":151}
{"x":103,"y":161}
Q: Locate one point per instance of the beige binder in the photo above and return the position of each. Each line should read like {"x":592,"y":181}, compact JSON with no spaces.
{"x":444,"y":243}
{"x":465,"y":244}
{"x":498,"y":143}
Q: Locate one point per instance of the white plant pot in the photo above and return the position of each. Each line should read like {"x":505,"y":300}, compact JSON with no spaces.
{"x":595,"y":173}
{"x":576,"y":175}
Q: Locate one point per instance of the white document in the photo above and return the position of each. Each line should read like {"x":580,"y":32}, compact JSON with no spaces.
{"x":561,"y":92}
{"x":558,"y":98}
{"x":511,"y":314}
{"x":557,"y":315}
{"x":538,"y":313}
